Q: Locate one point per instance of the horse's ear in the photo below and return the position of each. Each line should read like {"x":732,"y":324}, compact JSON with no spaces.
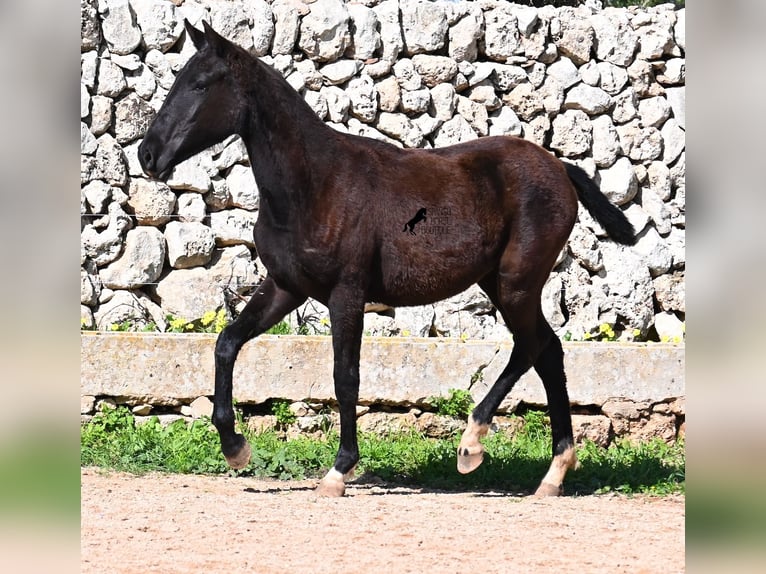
{"x":214,"y":39}
{"x":197,"y":37}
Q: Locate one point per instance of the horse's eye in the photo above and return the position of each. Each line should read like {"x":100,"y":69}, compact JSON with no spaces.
{"x":200,"y":88}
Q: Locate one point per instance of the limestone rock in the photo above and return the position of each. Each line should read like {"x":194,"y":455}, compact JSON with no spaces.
{"x":339,"y":72}
{"x":234,"y":269}
{"x":263,"y":26}
{"x":141,"y":260}
{"x":595,"y":428}
{"x":98,"y":194}
{"x":629,"y":285}
{"x":655,"y":38}
{"x":618,"y":182}
{"x":565,"y":72}
{"x":504,"y":122}
{"x":233,"y":227}
{"x":525,"y":101}
{"x":105,"y":246}
{"x":88,"y":143}
{"x":656,"y":254}
{"x":201,"y":407}
{"x":415,"y":101}
{"x":573,"y":36}
{"x":398,"y":126}
{"x":454,"y":131}
{"x":119,"y":28}
{"x":242,"y":187}
{"x":625,"y":106}
{"x":361,"y":92}
{"x":615,"y":40}
{"x":443,"y":101}
{"x":90,"y":27}
{"x":612,"y":78}
{"x":669,"y":291}
{"x":389,"y":94}
{"x":501,"y":34}
{"x":572,"y":133}
{"x":189,"y":293}
{"x":193,"y":174}
{"x":160,"y":28}
{"x":188,"y":244}
{"x":475,"y":114}
{"x":640,"y":144}
{"x":231,"y":20}
{"x":324,"y":31}
{"x":111,"y":79}
{"x":434,"y":69}
{"x":338,"y":103}
{"x":464,"y":35}
{"x":390,"y":29}
{"x":606,"y":143}
{"x":286,"y":25}
{"x":365,"y":35}
{"x":110,"y":161}
{"x":152,"y":201}
{"x":438,"y":426}
{"x":133,"y":116}
{"x":591,"y":100}
{"x":424,"y":26}
{"x":653,"y":111}
{"x":407,"y":75}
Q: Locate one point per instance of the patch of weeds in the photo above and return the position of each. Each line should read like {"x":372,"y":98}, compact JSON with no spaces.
{"x":458,"y":404}
{"x":285,"y":416}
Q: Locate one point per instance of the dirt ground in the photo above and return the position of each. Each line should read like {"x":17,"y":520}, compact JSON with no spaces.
{"x":180,"y":523}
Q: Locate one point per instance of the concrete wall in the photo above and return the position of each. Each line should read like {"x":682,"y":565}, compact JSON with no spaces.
{"x":175,"y":369}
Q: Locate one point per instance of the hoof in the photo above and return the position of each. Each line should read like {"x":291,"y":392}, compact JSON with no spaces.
{"x":548,"y":489}
{"x":468,"y":461}
{"x":330,"y":488}
{"x":241,"y":459}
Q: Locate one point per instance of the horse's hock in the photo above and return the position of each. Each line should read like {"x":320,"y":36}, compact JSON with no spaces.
{"x":616,"y":390}
{"x":602,"y":88}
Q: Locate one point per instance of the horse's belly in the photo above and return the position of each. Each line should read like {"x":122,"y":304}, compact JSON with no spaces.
{"x":419,"y":277}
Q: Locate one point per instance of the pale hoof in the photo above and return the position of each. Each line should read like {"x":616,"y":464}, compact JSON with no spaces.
{"x":468,"y":461}
{"x":548,"y":489}
{"x":241,"y":459}
{"x":330,"y":488}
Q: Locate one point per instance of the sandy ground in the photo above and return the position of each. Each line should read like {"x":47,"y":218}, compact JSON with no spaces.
{"x":180,"y":523}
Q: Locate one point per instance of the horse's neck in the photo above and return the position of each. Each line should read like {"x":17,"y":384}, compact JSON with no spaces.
{"x":286,"y":141}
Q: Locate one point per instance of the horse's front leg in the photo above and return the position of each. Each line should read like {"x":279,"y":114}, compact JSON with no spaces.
{"x":268,"y":305}
{"x":347,"y":319}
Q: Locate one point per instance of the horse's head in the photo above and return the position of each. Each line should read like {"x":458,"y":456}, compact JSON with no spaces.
{"x":205,"y":105}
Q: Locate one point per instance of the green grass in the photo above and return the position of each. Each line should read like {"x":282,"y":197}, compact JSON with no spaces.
{"x":112,"y":440}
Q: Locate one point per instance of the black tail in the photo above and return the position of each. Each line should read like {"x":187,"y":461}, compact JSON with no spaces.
{"x":611,"y":217}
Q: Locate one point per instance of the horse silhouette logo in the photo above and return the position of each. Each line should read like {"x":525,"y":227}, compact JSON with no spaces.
{"x":419,"y":216}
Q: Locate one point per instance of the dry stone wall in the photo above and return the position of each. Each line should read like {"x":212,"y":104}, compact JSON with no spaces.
{"x":603,"y":88}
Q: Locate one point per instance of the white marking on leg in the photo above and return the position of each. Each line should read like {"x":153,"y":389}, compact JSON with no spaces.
{"x":332,"y":484}
{"x":470,"y":453}
{"x":554,"y":479}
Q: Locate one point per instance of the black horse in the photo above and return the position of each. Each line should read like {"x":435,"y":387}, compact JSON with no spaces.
{"x":329,"y":227}
{"x":419,"y":216}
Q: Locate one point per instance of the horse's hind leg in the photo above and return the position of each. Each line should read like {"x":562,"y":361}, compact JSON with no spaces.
{"x":266,"y":307}
{"x":550,"y":368}
{"x":535,"y":344}
{"x":516,"y":307}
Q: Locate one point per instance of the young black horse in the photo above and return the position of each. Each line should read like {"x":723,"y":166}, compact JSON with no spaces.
{"x":330,"y":227}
